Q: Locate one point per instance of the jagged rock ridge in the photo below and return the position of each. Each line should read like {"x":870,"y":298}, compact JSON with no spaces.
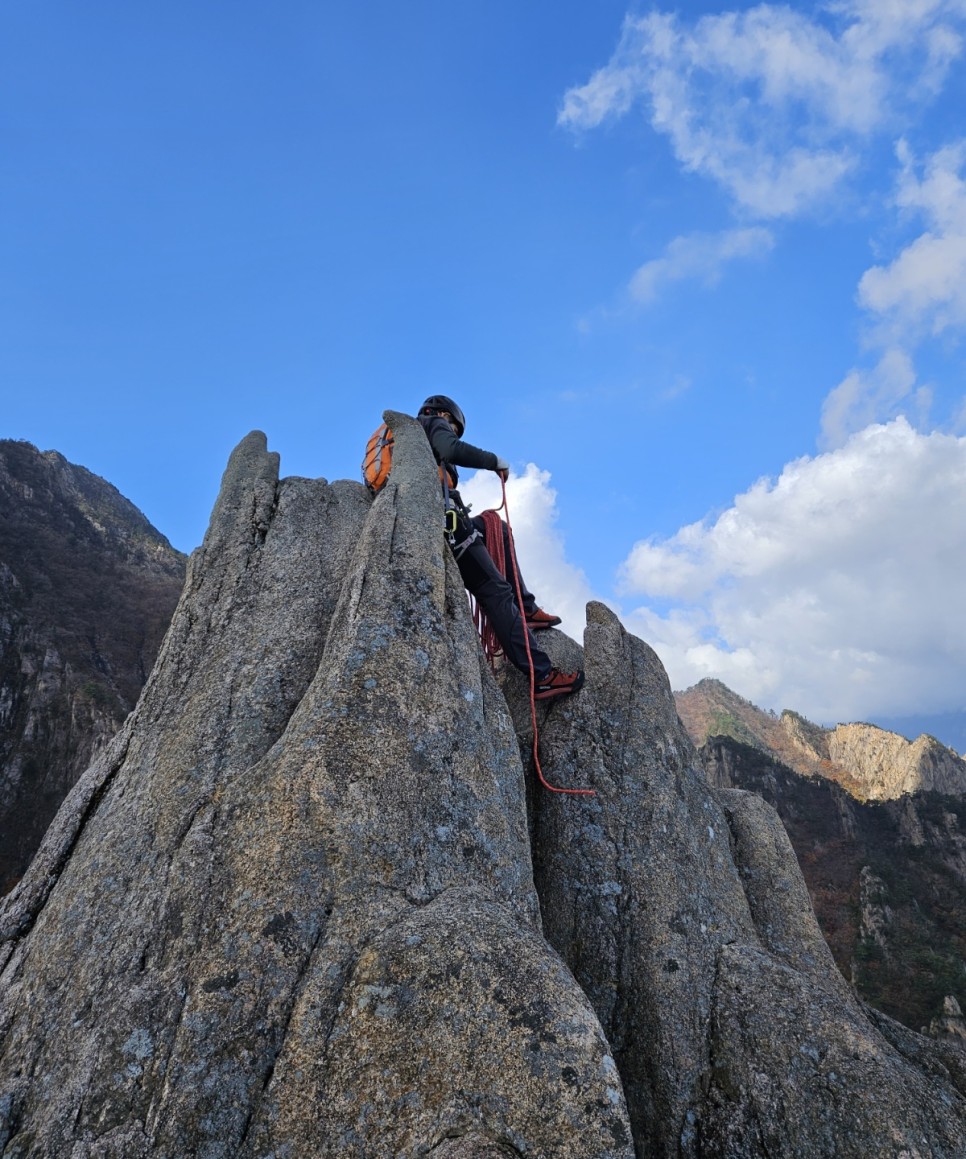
{"x":87,"y":588}
{"x":296,"y":907}
{"x":871,"y":763}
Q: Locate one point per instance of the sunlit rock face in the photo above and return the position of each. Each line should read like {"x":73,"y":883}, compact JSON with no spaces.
{"x":302,"y":904}
{"x":870,"y":763}
{"x":889,"y":766}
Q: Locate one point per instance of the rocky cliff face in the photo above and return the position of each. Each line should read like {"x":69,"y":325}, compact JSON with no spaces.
{"x":87,"y":588}
{"x":302,"y":906}
{"x":870,"y":763}
{"x":887,"y":879}
{"x":889,"y":766}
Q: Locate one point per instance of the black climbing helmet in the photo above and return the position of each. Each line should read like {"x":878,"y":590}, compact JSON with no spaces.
{"x":438,"y":402}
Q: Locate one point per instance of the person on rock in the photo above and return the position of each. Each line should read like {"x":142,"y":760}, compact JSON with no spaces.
{"x":444,"y":424}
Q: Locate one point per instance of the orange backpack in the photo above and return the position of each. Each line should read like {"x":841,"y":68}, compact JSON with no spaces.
{"x":378,"y":461}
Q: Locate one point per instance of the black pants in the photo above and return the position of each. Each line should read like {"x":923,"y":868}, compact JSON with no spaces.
{"x":498,"y":600}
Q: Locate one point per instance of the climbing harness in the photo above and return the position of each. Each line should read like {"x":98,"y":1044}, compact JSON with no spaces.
{"x":526,"y":637}
{"x":452,"y":517}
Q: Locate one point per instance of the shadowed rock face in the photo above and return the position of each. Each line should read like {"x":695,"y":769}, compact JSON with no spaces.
{"x":293,"y":909}
{"x":87,"y":588}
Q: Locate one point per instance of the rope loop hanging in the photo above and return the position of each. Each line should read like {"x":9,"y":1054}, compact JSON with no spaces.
{"x":526,"y":636}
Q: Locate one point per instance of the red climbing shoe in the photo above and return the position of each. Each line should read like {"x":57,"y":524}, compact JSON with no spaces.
{"x":538,"y":619}
{"x":558,"y":684}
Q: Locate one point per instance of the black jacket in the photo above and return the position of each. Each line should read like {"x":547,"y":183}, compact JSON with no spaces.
{"x":448,"y":449}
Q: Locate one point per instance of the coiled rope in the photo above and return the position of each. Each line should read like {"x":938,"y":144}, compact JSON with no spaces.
{"x":493,"y":539}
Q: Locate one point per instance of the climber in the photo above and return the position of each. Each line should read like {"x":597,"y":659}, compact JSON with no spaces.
{"x":444,"y":424}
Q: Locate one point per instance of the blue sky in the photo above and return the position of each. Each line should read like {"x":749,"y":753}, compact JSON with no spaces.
{"x":698,"y":273}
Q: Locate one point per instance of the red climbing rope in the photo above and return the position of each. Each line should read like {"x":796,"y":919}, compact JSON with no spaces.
{"x":493,"y":539}
{"x":526,"y":639}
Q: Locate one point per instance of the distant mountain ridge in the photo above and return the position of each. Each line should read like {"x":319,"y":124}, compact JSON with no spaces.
{"x":870,"y":763}
{"x":87,"y":589}
{"x":948,"y":727}
{"x":878,"y":824}
{"x":887,"y":881}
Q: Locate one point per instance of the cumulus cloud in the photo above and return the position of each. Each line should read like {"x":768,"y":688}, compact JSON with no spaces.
{"x":559,"y":586}
{"x":771,"y":103}
{"x":835,"y":589}
{"x":699,"y":256}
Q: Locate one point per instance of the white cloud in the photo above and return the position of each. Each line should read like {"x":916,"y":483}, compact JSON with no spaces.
{"x":920,"y":294}
{"x":559,"y":586}
{"x":770,"y":103}
{"x":923,"y":291}
{"x":835,"y":589}
{"x":879,"y":26}
{"x":699,"y":256}
{"x":866,"y":396}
